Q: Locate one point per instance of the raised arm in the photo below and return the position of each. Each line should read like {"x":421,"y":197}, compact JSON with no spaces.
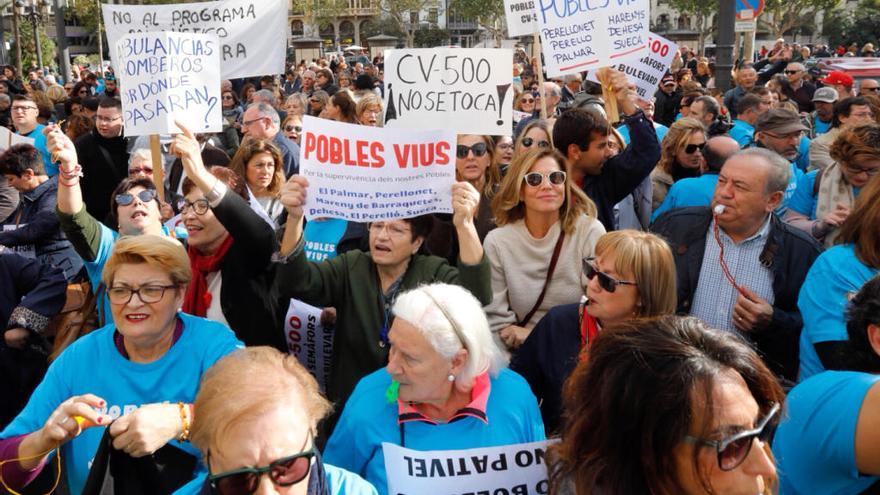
{"x":70,"y":200}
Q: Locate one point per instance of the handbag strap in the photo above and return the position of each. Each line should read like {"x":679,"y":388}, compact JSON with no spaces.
{"x":550,"y":270}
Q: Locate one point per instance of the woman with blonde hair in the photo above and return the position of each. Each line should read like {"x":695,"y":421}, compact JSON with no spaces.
{"x":296,"y":104}
{"x":259,"y":407}
{"x":535,"y":134}
{"x":546,"y":226}
{"x":681,"y":156}
{"x":632,"y":275}
{"x":259,"y":162}
{"x":369,"y":110}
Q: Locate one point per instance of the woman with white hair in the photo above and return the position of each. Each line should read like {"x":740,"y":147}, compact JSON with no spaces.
{"x":446,"y":387}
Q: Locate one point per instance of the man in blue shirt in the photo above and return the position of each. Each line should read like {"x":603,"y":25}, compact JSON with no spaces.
{"x":261,"y":121}
{"x":748,"y":110}
{"x":824,"y":100}
{"x":24,"y":119}
{"x":780,"y":130}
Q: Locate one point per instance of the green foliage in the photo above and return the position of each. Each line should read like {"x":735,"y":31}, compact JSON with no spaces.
{"x":781,"y":16}
{"x":28,"y":47}
{"x":860,"y":25}
{"x":383,"y":25}
{"x":431,"y":37}
{"x":319,"y":11}
{"x":702,"y":11}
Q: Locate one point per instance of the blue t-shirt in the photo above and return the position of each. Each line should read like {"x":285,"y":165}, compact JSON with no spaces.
{"x":815,"y":444}
{"x":368,"y":420}
{"x":93,"y":365}
{"x":693,"y":191}
{"x":803,"y":201}
{"x":803,"y":159}
{"x":743,"y":133}
{"x":796,"y":175}
{"x":659,"y":129}
{"x":821,"y":127}
{"x":322,"y":238}
{"x":40,"y":144}
{"x":835,"y":274}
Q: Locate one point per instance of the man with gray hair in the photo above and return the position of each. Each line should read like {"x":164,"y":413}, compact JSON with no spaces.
{"x":571,"y":86}
{"x":753,"y":288}
{"x":802,"y":91}
{"x":261,"y":121}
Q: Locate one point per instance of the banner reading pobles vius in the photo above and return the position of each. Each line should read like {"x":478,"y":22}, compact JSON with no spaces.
{"x":579,"y":35}
{"x":367,"y":174}
{"x":252,"y":33}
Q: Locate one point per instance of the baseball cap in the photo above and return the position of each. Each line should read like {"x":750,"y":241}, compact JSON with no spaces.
{"x":838,"y":77}
{"x":779,"y":121}
{"x":826,"y":95}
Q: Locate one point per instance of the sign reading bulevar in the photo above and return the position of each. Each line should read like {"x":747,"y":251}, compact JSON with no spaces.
{"x":579,"y":35}
{"x":252,"y":33}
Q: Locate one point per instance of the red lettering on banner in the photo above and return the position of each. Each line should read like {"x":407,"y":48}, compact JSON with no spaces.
{"x":442,"y":153}
{"x":376,"y":150}
{"x":310,"y":144}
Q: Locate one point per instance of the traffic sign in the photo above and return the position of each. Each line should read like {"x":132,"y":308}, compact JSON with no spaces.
{"x":746,"y":26}
{"x":749,"y":9}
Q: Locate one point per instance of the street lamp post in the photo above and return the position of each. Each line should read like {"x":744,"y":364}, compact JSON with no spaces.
{"x":33,"y":11}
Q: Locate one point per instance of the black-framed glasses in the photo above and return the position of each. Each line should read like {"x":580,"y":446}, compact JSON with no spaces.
{"x":733,"y":450}
{"x":199,"y":206}
{"x":607,"y":282}
{"x":535,"y":179}
{"x":125,"y":199}
{"x":286,"y":471}
{"x":462,"y":151}
{"x":148,"y":294}
{"x":870,"y":89}
{"x":692,"y":148}
{"x":527,"y":142}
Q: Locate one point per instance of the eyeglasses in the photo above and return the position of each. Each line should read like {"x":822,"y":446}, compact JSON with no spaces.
{"x":790,"y":72}
{"x":143,"y":170}
{"x":462,"y":151}
{"x":870,"y":89}
{"x":228,"y":97}
{"x":148,"y":294}
{"x":535,"y":179}
{"x":606,"y":282}
{"x":199,"y":206}
{"x":286,"y":471}
{"x":733,"y":450}
{"x":107,"y":120}
{"x":145,"y":196}
{"x":870,"y":172}
{"x":692,"y":148}
{"x":23,"y":108}
{"x":527,"y":142}
{"x":394,"y":230}
{"x":290,"y":128}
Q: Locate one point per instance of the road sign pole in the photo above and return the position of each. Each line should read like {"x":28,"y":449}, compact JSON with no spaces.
{"x":724,"y":55}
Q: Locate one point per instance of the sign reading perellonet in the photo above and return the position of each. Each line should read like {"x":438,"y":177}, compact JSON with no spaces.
{"x":579,"y":35}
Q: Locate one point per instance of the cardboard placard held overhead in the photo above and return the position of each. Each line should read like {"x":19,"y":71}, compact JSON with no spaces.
{"x":646,"y":71}
{"x":583,"y":35}
{"x":253,"y":33}
{"x":521,"y":17}
{"x":465,"y":89}
{"x":168,"y":76}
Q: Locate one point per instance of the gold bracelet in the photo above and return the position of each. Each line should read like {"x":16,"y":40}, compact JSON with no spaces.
{"x":184,"y":418}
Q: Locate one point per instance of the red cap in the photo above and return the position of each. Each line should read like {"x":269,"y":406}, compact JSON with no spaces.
{"x":838,"y":77}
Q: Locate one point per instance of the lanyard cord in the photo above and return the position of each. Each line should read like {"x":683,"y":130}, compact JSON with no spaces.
{"x":57,"y":450}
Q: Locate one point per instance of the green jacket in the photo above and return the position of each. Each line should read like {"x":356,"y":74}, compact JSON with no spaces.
{"x":350,"y":283}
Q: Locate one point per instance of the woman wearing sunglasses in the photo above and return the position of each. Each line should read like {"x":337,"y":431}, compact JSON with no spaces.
{"x":292,"y":127}
{"x":668,"y":406}
{"x":681,"y":156}
{"x":631,"y":276}
{"x":546,"y":226}
{"x":317,"y":102}
{"x":258,"y":415}
{"x":445,"y":387}
{"x":828,"y":440}
{"x":474,"y":159}
{"x":535,"y":134}
{"x":137,"y":376}
{"x":525,"y":102}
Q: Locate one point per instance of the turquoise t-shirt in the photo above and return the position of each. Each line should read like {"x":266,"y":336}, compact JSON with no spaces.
{"x":822,"y":301}
{"x":322,"y":238}
{"x":815,"y":444}
{"x":40,"y":144}
{"x":93,"y":365}
{"x":803,"y":201}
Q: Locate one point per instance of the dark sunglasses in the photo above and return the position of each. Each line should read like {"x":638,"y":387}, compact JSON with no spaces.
{"x":528,"y":100}
{"x":528,"y":142}
{"x":286,"y":471}
{"x":145,"y":196}
{"x":733,"y":451}
{"x":296,"y":128}
{"x":462,"y":151}
{"x":871,"y":89}
{"x":535,"y":179}
{"x":606,"y":282}
{"x":692,"y":148}
{"x":790,"y":72}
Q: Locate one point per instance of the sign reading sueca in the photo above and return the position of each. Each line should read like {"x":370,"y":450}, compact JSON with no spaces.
{"x":521,"y":18}
{"x":578,"y":35}
{"x":168,"y":76}
{"x":465,"y":89}
{"x":367,"y":174}
{"x":252,"y":33}
{"x":646,"y":71}
{"x":507,"y":470}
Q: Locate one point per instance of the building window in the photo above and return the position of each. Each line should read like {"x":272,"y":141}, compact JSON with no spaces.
{"x":433,"y":15}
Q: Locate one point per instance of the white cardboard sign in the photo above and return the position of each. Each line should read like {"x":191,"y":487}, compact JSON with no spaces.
{"x":308,"y":340}
{"x":646,"y":71}
{"x":521,"y":17}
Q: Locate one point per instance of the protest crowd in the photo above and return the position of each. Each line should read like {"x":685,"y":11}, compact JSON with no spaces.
{"x":673,"y":293}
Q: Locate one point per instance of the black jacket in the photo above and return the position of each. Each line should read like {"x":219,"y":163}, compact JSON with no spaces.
{"x":246,"y":271}
{"x":623,"y":173}
{"x":666,"y":106}
{"x":789,"y":253}
{"x":105,"y":163}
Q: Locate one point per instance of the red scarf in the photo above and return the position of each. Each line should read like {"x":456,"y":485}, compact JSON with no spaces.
{"x":198,"y":299}
{"x":589,"y":329}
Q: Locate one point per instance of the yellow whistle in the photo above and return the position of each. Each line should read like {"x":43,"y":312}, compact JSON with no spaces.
{"x":79,"y":420}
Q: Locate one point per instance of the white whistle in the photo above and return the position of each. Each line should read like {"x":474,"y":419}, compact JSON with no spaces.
{"x":719,"y":209}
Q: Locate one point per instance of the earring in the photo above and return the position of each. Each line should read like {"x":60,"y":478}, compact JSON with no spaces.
{"x":451,"y":377}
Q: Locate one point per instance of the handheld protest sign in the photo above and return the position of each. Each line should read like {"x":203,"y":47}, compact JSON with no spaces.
{"x":466,"y":89}
{"x":158,"y":169}
{"x":520,"y":17}
{"x":168,"y":76}
{"x":253,"y":34}
{"x":367,"y":174}
{"x":647,"y":71}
